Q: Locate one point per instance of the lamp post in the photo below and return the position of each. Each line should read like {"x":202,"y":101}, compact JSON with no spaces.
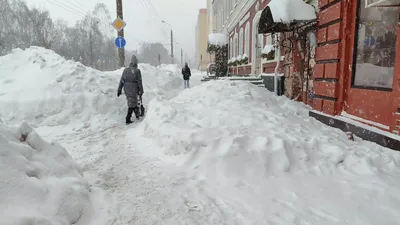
{"x":172,"y":42}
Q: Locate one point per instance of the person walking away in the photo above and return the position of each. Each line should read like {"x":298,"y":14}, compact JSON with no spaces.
{"x":186,"y":75}
{"x":131,"y":81}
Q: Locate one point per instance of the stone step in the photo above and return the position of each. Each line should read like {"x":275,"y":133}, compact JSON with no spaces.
{"x":247,"y":79}
{"x":257,"y":82}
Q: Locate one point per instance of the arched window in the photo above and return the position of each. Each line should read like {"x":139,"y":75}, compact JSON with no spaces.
{"x":241,"y":42}
{"x":270,"y":40}
{"x":235,"y":50}
{"x":231,"y":47}
{"x":247,"y":39}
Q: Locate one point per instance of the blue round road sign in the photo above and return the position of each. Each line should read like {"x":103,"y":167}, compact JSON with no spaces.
{"x":120,"y":42}
{"x":369,"y":41}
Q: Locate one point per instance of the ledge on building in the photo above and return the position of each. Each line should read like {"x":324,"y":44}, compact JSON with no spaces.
{"x":361,"y":130}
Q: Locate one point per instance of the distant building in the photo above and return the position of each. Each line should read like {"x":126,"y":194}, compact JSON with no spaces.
{"x":202,"y":31}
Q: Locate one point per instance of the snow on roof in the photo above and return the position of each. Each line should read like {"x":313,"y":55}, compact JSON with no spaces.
{"x":218,"y":39}
{"x":287,"y":11}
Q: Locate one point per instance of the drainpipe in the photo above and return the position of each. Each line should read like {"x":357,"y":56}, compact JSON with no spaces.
{"x":277,"y":47}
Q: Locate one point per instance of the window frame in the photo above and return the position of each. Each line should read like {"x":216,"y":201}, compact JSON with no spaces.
{"x":241,"y":41}
{"x":269,"y":40}
{"x":247,"y":38}
{"x":355,"y":53}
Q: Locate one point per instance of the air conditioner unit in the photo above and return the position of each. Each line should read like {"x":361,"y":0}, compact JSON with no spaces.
{"x":382,"y":3}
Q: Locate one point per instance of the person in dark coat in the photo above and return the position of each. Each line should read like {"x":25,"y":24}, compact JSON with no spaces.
{"x":131,"y":81}
{"x":186,"y":75}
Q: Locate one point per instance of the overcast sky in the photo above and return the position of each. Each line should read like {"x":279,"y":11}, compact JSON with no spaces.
{"x":141,"y":24}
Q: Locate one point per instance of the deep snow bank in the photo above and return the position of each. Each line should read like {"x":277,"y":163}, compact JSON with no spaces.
{"x":40,"y":184}
{"x":39,"y":85}
{"x":236,"y":130}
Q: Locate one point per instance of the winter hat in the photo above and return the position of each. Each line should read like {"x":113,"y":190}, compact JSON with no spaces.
{"x":134,"y":60}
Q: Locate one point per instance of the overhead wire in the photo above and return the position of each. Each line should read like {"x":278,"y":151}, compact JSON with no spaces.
{"x":61,"y":5}
{"x":77,"y":5}
{"x":153,"y":9}
{"x":156,"y":14}
{"x":153,"y":15}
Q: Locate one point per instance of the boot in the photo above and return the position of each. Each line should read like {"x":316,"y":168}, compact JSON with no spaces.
{"x":129,"y":116}
{"x":136,"y":110}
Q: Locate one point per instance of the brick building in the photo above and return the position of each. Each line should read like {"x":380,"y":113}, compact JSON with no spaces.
{"x":353,"y":71}
{"x":357,"y":76}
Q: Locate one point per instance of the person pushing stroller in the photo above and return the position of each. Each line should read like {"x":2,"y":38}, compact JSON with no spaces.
{"x":131,"y":81}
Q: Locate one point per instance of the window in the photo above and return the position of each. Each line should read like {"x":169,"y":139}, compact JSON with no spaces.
{"x":247,"y":39}
{"x":270,"y":40}
{"x":235,"y":50}
{"x":241,"y":42}
{"x":231,"y":48}
{"x":375,"y":47}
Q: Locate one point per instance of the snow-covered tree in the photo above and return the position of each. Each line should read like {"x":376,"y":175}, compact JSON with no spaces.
{"x":89,"y":41}
{"x":218,"y":45}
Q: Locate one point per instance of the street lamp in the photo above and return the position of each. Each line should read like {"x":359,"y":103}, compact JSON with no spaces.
{"x":172,"y":41}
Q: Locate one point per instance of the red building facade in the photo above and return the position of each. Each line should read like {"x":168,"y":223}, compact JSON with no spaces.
{"x":357,"y":74}
{"x":356,"y":71}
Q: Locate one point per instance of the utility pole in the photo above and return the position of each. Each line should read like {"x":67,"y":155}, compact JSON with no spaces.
{"x":121,"y":51}
{"x":172,"y":47}
{"x":159,"y":59}
{"x":181,"y":56}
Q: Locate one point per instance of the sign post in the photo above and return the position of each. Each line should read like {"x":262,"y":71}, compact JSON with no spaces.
{"x":119,"y":24}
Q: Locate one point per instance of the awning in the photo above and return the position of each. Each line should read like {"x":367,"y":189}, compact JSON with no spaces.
{"x":282,"y":15}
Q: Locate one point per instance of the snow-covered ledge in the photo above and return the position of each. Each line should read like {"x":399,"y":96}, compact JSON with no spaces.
{"x":218,"y":39}
{"x":289,"y":11}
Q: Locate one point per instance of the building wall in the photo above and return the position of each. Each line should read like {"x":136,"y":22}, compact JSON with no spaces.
{"x":202,"y":57}
{"x":333,"y":74}
{"x":197,"y":49}
{"x":235,"y":17}
{"x":211,"y":18}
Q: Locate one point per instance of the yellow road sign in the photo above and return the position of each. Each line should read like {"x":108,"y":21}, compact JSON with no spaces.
{"x":119,"y":24}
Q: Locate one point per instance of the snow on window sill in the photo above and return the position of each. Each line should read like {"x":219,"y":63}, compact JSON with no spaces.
{"x":268,"y":61}
{"x":272,"y":60}
{"x":243,"y":65}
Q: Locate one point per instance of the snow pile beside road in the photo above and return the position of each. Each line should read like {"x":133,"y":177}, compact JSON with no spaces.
{"x":39,"y":181}
{"x":267,"y":161}
{"x":39,"y":85}
{"x":238,"y":129}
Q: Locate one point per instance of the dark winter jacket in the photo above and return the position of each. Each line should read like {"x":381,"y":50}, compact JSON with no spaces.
{"x":131,"y":81}
{"x":186,"y":73}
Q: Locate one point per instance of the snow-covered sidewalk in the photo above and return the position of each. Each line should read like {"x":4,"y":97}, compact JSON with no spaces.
{"x":222,"y":152}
